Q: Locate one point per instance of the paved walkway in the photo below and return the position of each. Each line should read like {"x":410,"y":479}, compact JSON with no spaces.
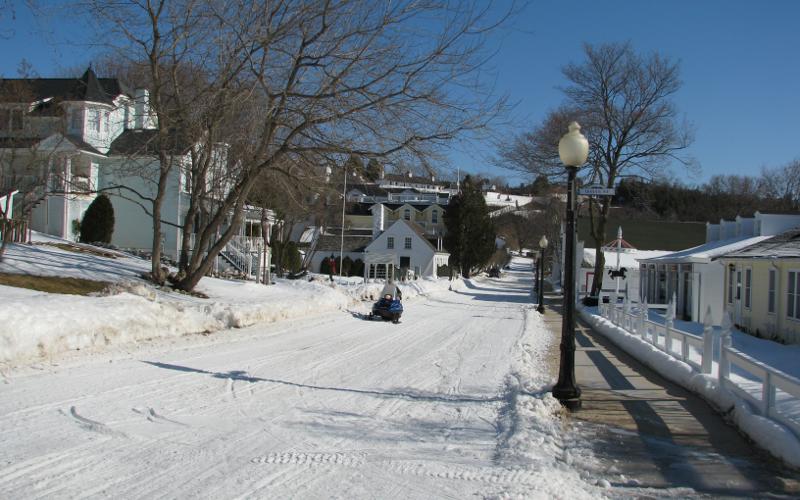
{"x":658,"y":434}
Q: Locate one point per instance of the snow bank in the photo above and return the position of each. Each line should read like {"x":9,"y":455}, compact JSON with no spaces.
{"x":769,"y":434}
{"x":37,"y":324}
{"x":531,"y":428}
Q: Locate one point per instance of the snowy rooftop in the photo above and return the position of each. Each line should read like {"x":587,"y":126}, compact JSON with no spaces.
{"x":707,"y":252}
{"x":628,"y":258}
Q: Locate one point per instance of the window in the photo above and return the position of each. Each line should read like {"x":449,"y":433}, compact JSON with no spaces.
{"x":738,"y":285}
{"x":106,"y":120}
{"x":748,"y":278}
{"x":793,"y":295}
{"x":94,"y":120}
{"x":408,"y":244}
{"x":390,"y":242}
{"x":771,"y":292}
{"x":76,"y":120}
{"x":730,"y":284}
{"x":662,"y":284}
{"x":435,"y":216}
{"x":407,"y":214}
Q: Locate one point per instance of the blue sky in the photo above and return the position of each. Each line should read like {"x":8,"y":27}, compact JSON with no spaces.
{"x":740,"y":64}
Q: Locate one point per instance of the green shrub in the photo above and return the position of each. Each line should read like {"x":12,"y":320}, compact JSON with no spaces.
{"x":98,"y":221}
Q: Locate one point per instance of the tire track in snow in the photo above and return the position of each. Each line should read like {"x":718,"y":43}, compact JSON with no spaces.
{"x":489,"y":475}
{"x":94,"y":425}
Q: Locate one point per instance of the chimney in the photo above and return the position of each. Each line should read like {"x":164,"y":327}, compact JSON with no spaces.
{"x":378,"y":220}
{"x":142,"y":117}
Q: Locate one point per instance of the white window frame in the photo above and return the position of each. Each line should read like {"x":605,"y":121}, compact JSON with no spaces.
{"x":407,"y":214}
{"x":793,"y":295}
{"x":748,"y":287}
{"x":731,"y":270}
{"x":407,"y":244}
{"x":390,"y":242}
{"x":435,"y":216}
{"x":94,"y":120}
{"x":772,"y":282}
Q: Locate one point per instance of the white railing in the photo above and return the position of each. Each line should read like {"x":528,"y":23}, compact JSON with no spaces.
{"x":769,"y":391}
{"x":243,"y":252}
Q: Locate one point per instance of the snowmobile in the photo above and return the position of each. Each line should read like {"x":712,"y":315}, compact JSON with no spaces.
{"x":387,"y":308}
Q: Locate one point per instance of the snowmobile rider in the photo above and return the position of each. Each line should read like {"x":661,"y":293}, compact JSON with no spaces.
{"x":391,"y":290}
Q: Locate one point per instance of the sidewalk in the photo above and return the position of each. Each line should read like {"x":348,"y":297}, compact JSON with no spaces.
{"x":657,"y":434}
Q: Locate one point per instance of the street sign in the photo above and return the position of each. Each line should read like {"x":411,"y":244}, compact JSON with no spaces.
{"x":596,"y":190}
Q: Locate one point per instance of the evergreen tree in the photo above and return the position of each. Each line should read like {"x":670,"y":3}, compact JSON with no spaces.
{"x":374,"y":170}
{"x":470,"y":235}
{"x":98,"y":221}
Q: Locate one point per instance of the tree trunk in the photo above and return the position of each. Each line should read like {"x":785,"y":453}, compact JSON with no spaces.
{"x":598,"y":234}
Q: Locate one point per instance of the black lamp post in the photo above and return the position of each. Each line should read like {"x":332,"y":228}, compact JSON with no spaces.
{"x":573,"y":149}
{"x":542,"y":248}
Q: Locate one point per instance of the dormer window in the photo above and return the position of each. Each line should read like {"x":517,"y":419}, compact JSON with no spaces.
{"x":407,"y":214}
{"x":94,"y":120}
{"x":76,"y":120}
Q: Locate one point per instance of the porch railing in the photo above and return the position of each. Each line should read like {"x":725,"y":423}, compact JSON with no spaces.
{"x":771,"y":392}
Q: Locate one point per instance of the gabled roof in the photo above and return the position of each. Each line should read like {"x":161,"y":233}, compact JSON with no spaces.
{"x":784,"y":245}
{"x":86,"y":88}
{"x":134,"y":142}
{"x":332,"y":243}
{"x":416,"y":206}
{"x":33,"y":143}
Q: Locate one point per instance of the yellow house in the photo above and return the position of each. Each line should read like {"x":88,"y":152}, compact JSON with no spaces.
{"x":762,"y":287}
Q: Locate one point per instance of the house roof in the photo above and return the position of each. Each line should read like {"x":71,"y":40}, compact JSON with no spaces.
{"x":628,"y":260}
{"x":416,"y":206}
{"x":784,"y":245}
{"x":19,"y":142}
{"x":86,"y":88}
{"x":145,"y":142}
{"x":411,"y":179}
{"x":332,"y":243}
{"x":367,"y":189}
{"x":707,"y":252}
{"x":31,"y":142}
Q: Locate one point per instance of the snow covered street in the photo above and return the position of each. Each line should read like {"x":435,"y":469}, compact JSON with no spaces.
{"x":450,"y":403}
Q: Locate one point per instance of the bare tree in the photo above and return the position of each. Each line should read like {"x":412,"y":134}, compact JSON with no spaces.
{"x":32,"y":165}
{"x":623,"y":102}
{"x":299,"y":83}
{"x":782,"y":184}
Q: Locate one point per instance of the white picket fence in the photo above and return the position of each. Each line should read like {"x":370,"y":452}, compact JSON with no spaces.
{"x":773,"y":394}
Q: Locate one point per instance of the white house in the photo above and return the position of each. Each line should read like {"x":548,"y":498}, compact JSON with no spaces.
{"x":696,"y":276}
{"x":402,"y":245}
{"x":64,"y":139}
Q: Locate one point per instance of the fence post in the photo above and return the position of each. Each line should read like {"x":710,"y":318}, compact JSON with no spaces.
{"x":708,"y":343}
{"x":725,"y":344}
{"x":626,"y":315}
{"x":668,"y":325}
{"x":767,"y":395}
{"x":643,"y":320}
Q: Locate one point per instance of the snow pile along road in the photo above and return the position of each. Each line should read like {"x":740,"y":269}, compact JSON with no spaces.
{"x":41,"y":325}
